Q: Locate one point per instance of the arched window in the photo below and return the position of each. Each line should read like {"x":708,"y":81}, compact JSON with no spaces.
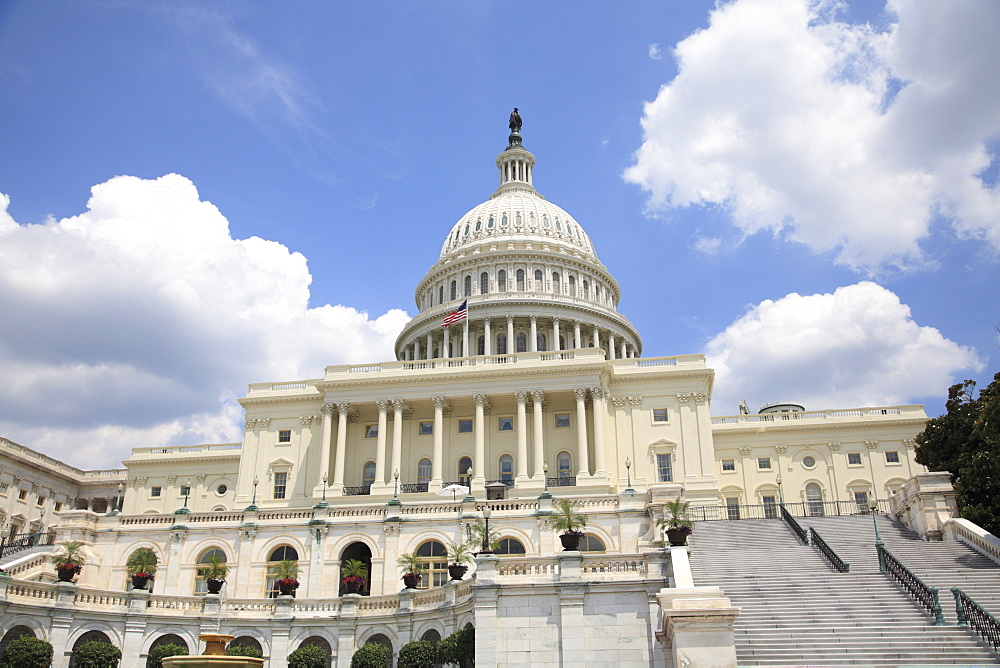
{"x":440,"y":294}
{"x":484,"y":283}
{"x":368,"y":474}
{"x":501,"y":344}
{"x":503,"y":221}
{"x":564,"y":465}
{"x":433,"y":555}
{"x":572,"y":286}
{"x":541,"y":342}
{"x":509,"y":546}
{"x":423,"y":471}
{"x":169,"y":639}
{"x":481,"y":346}
{"x":558,"y":224}
{"x":464,"y":464}
{"x":479,"y":225}
{"x":506,"y":468}
{"x":539,"y":282}
{"x":212,"y":553}
{"x":556,"y":283}
{"x":489,"y":223}
{"x":468,"y":286}
{"x":431,"y":636}
{"x":381,"y":639}
{"x":15,"y":632}
{"x":591,"y":543}
{"x":522,"y":342}
{"x":246,"y":641}
{"x":545,"y":222}
{"x":597,"y":293}
{"x":814,"y":499}
{"x":520,"y":280}
{"x":279,"y":554}
{"x":586,"y":289}
{"x":454,"y":290}
{"x":502,"y":281}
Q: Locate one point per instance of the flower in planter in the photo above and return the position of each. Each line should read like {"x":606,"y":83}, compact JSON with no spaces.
{"x":351,"y":579}
{"x":70,"y":566}
{"x":288,"y":582}
{"x":141,"y":574}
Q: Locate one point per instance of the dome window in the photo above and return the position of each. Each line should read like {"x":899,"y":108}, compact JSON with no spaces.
{"x":558,"y":225}
{"x":556,"y":283}
{"x":517,"y":219}
{"x":586,"y":289}
{"x":466,"y":233}
{"x":572,"y":286}
{"x":484,"y":285}
{"x":489,"y":223}
{"x":454,"y":290}
{"x":479,"y":225}
{"x":502,"y":281}
{"x":569,"y":228}
{"x":503,"y":221}
{"x":545,"y":222}
{"x":468,"y":286}
{"x":522,"y":342}
{"x":440,"y":294}
{"x":520,"y":280}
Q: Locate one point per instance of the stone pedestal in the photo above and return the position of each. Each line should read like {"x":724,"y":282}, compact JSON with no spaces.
{"x":698,"y":627}
{"x":925,"y":503}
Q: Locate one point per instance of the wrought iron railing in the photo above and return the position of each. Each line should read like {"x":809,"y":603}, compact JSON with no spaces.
{"x":926,"y":597}
{"x":22,"y":541}
{"x":828,"y":552}
{"x":769,"y":511}
{"x":358,"y":491}
{"x":971,"y":614}
{"x":564,"y":481}
{"x":509,"y":483}
{"x":413,"y":487}
{"x":794,"y":525}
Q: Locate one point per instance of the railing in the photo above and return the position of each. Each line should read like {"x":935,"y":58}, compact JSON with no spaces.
{"x":358,"y":491}
{"x":828,"y":552}
{"x":974,"y":536}
{"x":926,"y":597}
{"x":23,"y":541}
{"x":769,"y":511}
{"x":813,"y":415}
{"x":794,"y":525}
{"x":564,"y":481}
{"x":413,"y":487}
{"x":508,"y":483}
{"x":971,"y":614}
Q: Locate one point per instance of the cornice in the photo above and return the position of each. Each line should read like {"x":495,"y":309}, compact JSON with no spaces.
{"x":281,"y":399}
{"x":495,"y":373}
{"x":173,"y":459}
{"x":772,"y":427}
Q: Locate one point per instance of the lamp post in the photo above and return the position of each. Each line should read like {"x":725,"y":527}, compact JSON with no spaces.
{"x":395,"y":485}
{"x":4,"y":536}
{"x":545,"y":478}
{"x":253,"y":503}
{"x":486,"y":534}
{"x":469,"y":496}
{"x":879,"y":545}
{"x":324,"y":488}
{"x":187,"y":493}
{"x":628,"y":472}
{"x":117,"y":509}
{"x":781,"y":498}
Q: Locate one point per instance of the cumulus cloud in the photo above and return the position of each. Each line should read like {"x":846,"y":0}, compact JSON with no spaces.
{"x":654,"y":52}
{"x":136,"y":323}
{"x":856,"y":347}
{"x":707,"y":245}
{"x":852,"y":140}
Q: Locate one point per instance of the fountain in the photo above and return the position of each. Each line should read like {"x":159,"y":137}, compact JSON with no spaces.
{"x":214,"y":656}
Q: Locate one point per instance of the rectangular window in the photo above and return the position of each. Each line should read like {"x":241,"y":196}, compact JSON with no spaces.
{"x":770,"y":507}
{"x":764,"y":463}
{"x":425,"y":428}
{"x":22,"y":494}
{"x":506,"y":469}
{"x":40,"y":502}
{"x":664,"y":470}
{"x":728,"y":464}
{"x":465,"y":426}
{"x":854,"y":458}
{"x":562,"y":420}
{"x":861,"y":499}
{"x":732,"y":508}
{"x":185,"y":490}
{"x":891,"y":457}
{"x":58,"y":507}
{"x":284,"y":436}
{"x":505,"y":424}
{"x":3,"y":488}
{"x":371,"y":431}
{"x":280,"y":483}
{"x":660,"y":415}
{"x":155,"y":491}
{"x":424,"y":471}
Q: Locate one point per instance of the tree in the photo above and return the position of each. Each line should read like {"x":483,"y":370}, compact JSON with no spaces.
{"x":96,"y":654}
{"x":27,"y":651}
{"x":308,"y":656}
{"x":966,"y":442}
{"x":417,"y":654}
{"x":458,"y":648}
{"x":156,"y":655}
{"x":240,"y":649}
{"x":371,"y":655}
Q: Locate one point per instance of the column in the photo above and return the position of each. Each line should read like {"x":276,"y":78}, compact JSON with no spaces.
{"x":600,"y":408}
{"x":326,"y":445}
{"x":397,"y":436}
{"x":577,"y":341}
{"x":511,"y":346}
{"x":538,"y":443}
{"x":466,"y":351}
{"x":597,"y":337}
{"x":406,"y":354}
{"x":438,"y":455}
{"x":611,"y":346}
{"x":338,"y":467}
{"x":430,"y":344}
{"x":480,"y":456}
{"x":416,"y":349}
{"x":555,"y":335}
{"x":383,"y":406}
{"x":583,"y":460}
{"x":624,"y":350}
{"x":533,"y":343}
{"x":487,"y":337}
{"x":522,"y":434}
{"x":446,"y":343}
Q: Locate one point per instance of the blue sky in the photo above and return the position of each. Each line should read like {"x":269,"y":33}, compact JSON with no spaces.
{"x":203,"y":195}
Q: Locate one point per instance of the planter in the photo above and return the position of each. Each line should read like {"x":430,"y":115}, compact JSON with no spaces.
{"x":140,"y":581}
{"x":287,"y":588}
{"x":677,"y":537}
{"x":457,"y":571}
{"x":66,"y":574}
{"x":354,"y":586}
{"x":570,"y":541}
{"x":214,"y":586}
{"x":411,"y":580}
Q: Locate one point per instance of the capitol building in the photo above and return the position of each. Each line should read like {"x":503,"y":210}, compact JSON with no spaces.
{"x":516,"y":385}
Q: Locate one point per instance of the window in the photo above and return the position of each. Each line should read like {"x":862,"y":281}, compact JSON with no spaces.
{"x":770,"y":507}
{"x":479,"y":225}
{"x":892,"y":457}
{"x":465,"y":426}
{"x":441,"y":294}
{"x":371,"y":431}
{"x":489,"y":224}
{"x":591,"y":543}
{"x":279,"y":554}
{"x":519,"y":277}
{"x":221,"y":490}
{"x":505,"y":424}
{"x":510,"y":546}
{"x":368,"y":474}
{"x":185,"y":490}
{"x":481,"y":345}
{"x":764,"y":463}
{"x":464,"y":464}
{"x":809,"y":461}
{"x":507,"y":468}
{"x":58,"y":507}
{"x":454,"y":290}
{"x":155,"y":491}
{"x":484,"y":283}
{"x":501,"y":344}
{"x":40,"y":501}
{"x":728,"y":464}
{"x":435,"y":559}
{"x":586,"y":289}
{"x":424,"y":471}
{"x":664,"y":470}
{"x":854,"y":459}
{"x":284,"y":436}
{"x":540,"y":343}
{"x":572,"y":286}
{"x":556,"y":284}
{"x":522,"y":342}
{"x":467,"y":288}
{"x":861,"y":499}
{"x":280,"y":484}
{"x":503,"y":220}
{"x":425,"y":428}
{"x":562,"y":420}
{"x":199,"y":582}
{"x":814,"y":500}
{"x":3,"y":488}
{"x":501,"y":280}
{"x":545,"y":221}
{"x":660,"y":415}
{"x":732,"y":508}
{"x":564,"y":465}
{"x":22,"y":494}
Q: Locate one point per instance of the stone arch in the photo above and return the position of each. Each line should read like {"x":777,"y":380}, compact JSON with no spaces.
{"x":893,"y":485}
{"x":387,"y":640}
{"x":99,"y":635}
{"x":166,"y":635}
{"x":338,"y":547}
{"x":321,"y":642}
{"x":252,"y":637}
{"x":520,"y":535}
{"x":196,"y":550}
{"x":16,"y":632}
{"x":265,"y":550}
{"x":32,"y":623}
{"x":361,"y":551}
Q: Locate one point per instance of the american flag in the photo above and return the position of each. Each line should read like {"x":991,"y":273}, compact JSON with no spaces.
{"x":457,"y":315}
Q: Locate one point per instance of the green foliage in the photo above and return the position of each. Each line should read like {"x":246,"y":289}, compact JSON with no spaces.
{"x":142,"y":560}
{"x":410,"y":563}
{"x":459,"y":553}
{"x":567,"y":519}
{"x":70,"y":552}
{"x":27,"y":652}
{"x":287,"y":569}
{"x":354,"y":568}
{"x":459,"y":647}
{"x":97,"y":654}
{"x":156,"y":655}
{"x":966,"y":442}
{"x":308,"y":656}
{"x":244,"y":650}
{"x":417,"y":654}
{"x":478,"y":530}
{"x":215,"y":568}
{"x":676,"y":515}
{"x":371,"y":655}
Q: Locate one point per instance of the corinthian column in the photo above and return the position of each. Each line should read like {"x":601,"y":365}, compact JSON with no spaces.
{"x":577,"y":341}
{"x":327,"y":445}
{"x":338,"y":466}
{"x":383,"y":406}
{"x":600,"y":456}
{"x":538,"y":439}
{"x":533,"y":344}
{"x":397,"y":435}
{"x":487,"y":337}
{"x":511,"y":346}
{"x":438,"y":454}
{"x":555,"y":335}
{"x":480,"y":426}
{"x":522,"y":433}
{"x":581,"y":432}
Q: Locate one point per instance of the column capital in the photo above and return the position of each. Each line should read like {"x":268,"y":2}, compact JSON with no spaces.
{"x":328,"y":408}
{"x":521,"y":397}
{"x":480,"y":399}
{"x":871,"y":445}
{"x":510,"y":319}
{"x":486,"y":320}
{"x":635,"y":401}
{"x":440,"y":402}
{"x":580,"y":392}
{"x":383,"y":405}
{"x":597,"y":392}
{"x":533,"y":318}
{"x":537,"y":396}
{"x":398,"y":404}
{"x":834,"y":447}
{"x":619,"y":402}
{"x":555,"y":321}
{"x":343,"y":407}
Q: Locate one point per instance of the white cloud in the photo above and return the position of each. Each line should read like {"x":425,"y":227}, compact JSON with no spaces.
{"x":654,"y":52}
{"x":856,"y":347}
{"x":707,"y":245}
{"x":136,"y":322}
{"x":836,"y":135}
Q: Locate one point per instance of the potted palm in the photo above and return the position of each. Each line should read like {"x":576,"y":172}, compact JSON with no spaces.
{"x":69,"y":560}
{"x":214,"y":571}
{"x":459,"y":556}
{"x":352,"y":574}
{"x":287,"y":571}
{"x":411,"y":565}
{"x":142,"y":567}
{"x":570,"y":522}
{"x":676,"y":522}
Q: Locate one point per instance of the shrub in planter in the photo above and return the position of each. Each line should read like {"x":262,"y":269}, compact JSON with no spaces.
{"x":27,"y":652}
{"x":69,"y":560}
{"x":215,"y":571}
{"x":156,"y":655}
{"x":96,"y":654}
{"x":244,"y":650}
{"x":308,"y":656}
{"x":371,"y":655}
{"x":459,"y":648}
{"x":417,"y":654}
{"x":142,"y":567}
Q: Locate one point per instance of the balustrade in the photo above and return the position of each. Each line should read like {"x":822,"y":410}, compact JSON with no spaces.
{"x":926,"y":597}
{"x":972,"y":614}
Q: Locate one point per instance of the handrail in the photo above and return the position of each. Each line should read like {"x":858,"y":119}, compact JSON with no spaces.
{"x":828,"y":552}
{"x":23,"y":541}
{"x":926,"y":597}
{"x":794,"y":525}
{"x":972,"y":614}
